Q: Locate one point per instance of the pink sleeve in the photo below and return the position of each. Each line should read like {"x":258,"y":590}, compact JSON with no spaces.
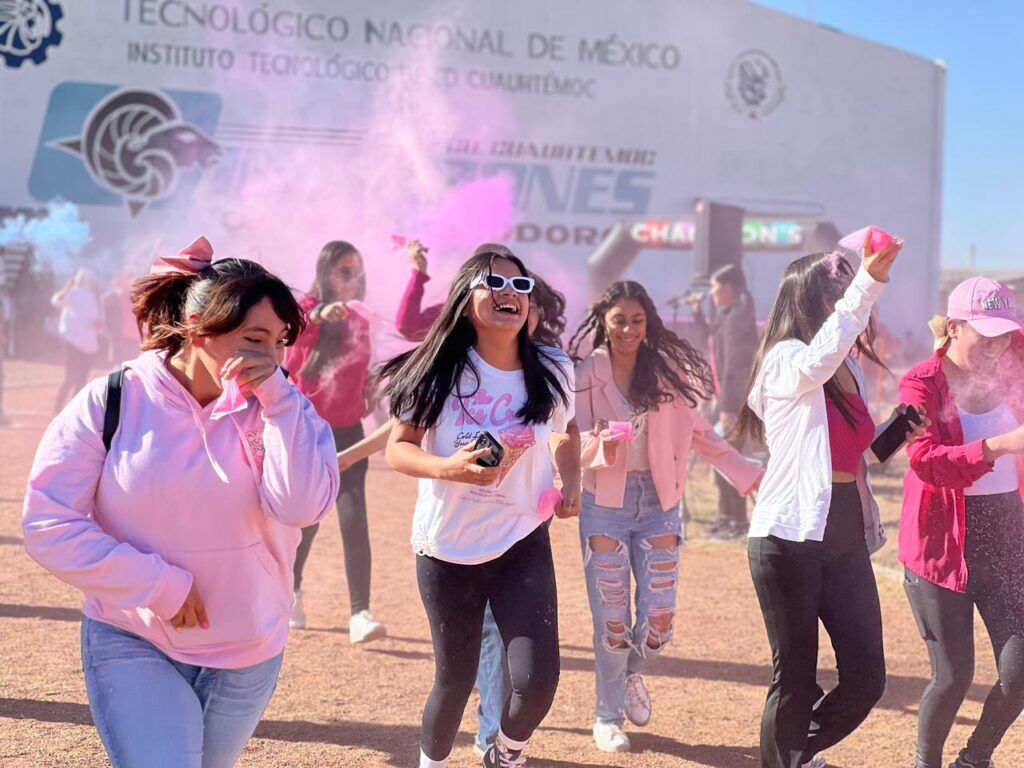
{"x":594,"y":452}
{"x":740,"y":471}
{"x":938,"y":464}
{"x":300,"y":463}
{"x":61,"y":533}
{"x":412,"y":320}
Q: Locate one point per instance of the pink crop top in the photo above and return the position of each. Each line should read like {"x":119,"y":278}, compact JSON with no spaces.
{"x":848,"y":443}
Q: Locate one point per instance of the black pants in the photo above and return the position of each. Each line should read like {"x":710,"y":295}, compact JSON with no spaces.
{"x":797,"y":584}
{"x":77,"y":365}
{"x":355,"y":532}
{"x":521,"y":588}
{"x":994,"y":549}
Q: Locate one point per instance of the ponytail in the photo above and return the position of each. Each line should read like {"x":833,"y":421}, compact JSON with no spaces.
{"x":158,"y":303}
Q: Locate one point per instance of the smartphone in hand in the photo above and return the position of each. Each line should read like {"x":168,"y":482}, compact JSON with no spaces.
{"x":485,"y":439}
{"x":893,"y":436}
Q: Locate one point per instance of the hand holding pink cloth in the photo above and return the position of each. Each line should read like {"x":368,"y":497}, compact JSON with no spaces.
{"x":231,"y":400}
{"x":190,"y":260}
{"x":620,"y":431}
{"x":549,"y":501}
{"x":872,"y":238}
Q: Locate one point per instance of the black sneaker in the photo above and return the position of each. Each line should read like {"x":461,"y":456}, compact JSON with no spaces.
{"x":500,"y":756}
{"x":963,"y":761}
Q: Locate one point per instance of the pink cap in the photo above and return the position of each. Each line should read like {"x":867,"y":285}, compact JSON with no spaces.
{"x":988,"y":305}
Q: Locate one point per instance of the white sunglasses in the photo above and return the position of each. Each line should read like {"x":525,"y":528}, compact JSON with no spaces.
{"x":519,"y":283}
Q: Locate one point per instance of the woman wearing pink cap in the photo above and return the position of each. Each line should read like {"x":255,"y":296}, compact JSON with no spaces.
{"x":962,"y":528}
{"x":176,"y":510}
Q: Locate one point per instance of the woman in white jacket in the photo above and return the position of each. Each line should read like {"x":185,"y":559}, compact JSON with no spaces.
{"x":815,"y":523}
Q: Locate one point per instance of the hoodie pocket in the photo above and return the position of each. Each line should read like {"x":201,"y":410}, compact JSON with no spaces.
{"x":243,"y":595}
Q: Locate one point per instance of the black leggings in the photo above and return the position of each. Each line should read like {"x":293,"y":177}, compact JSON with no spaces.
{"x":993,"y":552}
{"x":797,"y":584}
{"x":521,"y":588}
{"x":355,"y":532}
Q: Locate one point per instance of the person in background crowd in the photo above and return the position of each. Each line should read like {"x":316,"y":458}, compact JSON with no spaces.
{"x":481,"y":533}
{"x":815,"y":523}
{"x":121,"y":333}
{"x":641,"y":373}
{"x":962,"y":527}
{"x":79,"y":328}
{"x":733,"y":344}
{"x":180,"y":528}
{"x":331,"y":365}
{"x":413,"y":320}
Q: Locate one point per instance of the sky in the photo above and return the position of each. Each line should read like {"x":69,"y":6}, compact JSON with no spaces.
{"x":983,"y":170}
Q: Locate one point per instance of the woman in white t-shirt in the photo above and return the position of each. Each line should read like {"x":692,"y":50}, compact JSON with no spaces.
{"x":480,"y":532}
{"x":79,"y":330}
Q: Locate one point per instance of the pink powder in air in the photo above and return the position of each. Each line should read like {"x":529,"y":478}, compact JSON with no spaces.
{"x":362,"y":309}
{"x":231,"y":400}
{"x":398,"y":242}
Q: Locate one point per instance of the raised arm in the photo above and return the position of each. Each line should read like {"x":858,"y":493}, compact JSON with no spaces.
{"x":300,"y":464}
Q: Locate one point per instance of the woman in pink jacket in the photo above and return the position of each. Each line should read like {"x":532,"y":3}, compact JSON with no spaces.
{"x":962,"y":527}
{"x":181,"y":530}
{"x":636,"y":409}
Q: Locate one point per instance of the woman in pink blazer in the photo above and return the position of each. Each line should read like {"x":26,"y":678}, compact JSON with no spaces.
{"x":637,"y":393}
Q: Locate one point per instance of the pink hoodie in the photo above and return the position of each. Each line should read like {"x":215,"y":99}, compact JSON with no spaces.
{"x":179,"y":497}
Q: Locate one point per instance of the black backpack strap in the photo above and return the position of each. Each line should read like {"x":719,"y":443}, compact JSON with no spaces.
{"x":112,"y":414}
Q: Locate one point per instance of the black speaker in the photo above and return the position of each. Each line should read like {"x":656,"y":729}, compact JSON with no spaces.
{"x":718,"y":239}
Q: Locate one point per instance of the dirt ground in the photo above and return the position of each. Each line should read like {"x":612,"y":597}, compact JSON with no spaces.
{"x":337,"y":705}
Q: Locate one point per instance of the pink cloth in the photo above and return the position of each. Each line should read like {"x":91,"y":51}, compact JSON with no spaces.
{"x":549,"y":500}
{"x":190,"y":260}
{"x":875,"y":237}
{"x":621,"y":430}
{"x":231,"y":400}
{"x":673,"y":430}
{"x":133,"y":530}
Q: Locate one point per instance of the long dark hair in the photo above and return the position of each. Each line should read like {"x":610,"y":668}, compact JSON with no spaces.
{"x":169,"y":308}
{"x":667,"y":366}
{"x":807,"y":295}
{"x":550,"y":306}
{"x":420,"y":381}
{"x":332,"y":336}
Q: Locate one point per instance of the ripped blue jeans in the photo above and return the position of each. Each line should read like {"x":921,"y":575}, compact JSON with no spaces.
{"x":643,"y":540}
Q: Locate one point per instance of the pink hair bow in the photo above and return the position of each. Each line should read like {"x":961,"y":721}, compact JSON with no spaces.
{"x":190,"y":260}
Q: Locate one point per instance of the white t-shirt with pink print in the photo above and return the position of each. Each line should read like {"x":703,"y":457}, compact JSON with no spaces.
{"x":470,"y":524}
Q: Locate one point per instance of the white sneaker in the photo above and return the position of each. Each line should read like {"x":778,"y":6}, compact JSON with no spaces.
{"x":817,"y":762}
{"x":363,"y":628}
{"x":298,"y":617}
{"x":609,"y":737}
{"x":638,"y":700}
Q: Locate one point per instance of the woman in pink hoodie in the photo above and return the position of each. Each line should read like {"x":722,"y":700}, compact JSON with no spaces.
{"x":181,"y":531}
{"x":637,"y":412}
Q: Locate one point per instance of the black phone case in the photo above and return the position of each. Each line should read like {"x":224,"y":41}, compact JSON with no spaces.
{"x":486,"y":440}
{"x":887,"y":443}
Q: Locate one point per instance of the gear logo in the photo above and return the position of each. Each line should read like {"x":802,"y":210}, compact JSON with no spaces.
{"x":27,"y":30}
{"x":129,"y":146}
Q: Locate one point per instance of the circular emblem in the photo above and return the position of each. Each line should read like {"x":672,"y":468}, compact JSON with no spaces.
{"x":754,"y":85}
{"x":134,"y":144}
{"x":27,"y":29}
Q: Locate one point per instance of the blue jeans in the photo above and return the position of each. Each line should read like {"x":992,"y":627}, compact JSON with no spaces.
{"x":491,"y":681}
{"x":153,"y":712}
{"x":622,"y":644}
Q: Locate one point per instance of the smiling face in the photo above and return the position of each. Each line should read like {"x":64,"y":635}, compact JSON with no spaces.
{"x":346,"y":277}
{"x":261,"y":331}
{"x":499,"y":312}
{"x":625,"y":324}
{"x":977,"y":353}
